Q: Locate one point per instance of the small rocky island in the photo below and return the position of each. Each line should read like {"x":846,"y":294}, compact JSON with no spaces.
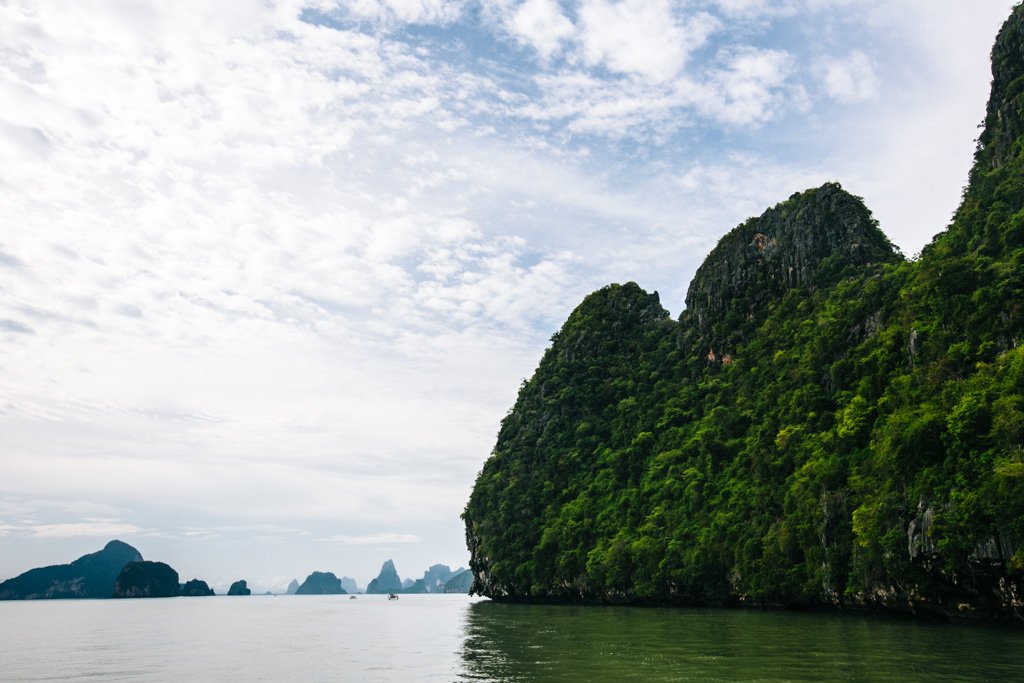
{"x":239,"y":588}
{"x":146,"y":580}
{"x":195,"y":589}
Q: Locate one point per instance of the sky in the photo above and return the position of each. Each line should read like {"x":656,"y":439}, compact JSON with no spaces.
{"x":272,"y":272}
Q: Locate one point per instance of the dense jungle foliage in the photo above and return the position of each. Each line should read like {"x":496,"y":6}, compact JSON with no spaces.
{"x":826,"y":423}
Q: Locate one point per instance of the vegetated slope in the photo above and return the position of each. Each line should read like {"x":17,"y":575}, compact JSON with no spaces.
{"x":826,"y":424}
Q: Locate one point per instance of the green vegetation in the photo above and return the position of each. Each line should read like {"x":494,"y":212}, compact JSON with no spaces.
{"x":826,"y":423}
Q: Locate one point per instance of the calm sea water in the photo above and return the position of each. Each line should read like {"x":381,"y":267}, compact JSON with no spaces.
{"x":455,"y":638}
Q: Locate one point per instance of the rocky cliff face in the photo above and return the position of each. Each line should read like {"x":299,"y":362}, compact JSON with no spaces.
{"x":239,"y":587}
{"x":90,"y":576}
{"x":146,"y":580}
{"x":1004,"y":119}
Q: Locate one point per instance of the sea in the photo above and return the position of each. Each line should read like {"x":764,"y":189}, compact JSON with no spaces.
{"x":458,"y":638}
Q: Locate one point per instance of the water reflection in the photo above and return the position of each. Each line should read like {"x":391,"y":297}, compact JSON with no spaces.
{"x":574,"y":643}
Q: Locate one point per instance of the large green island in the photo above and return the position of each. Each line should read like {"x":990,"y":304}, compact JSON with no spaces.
{"x":827,"y":425}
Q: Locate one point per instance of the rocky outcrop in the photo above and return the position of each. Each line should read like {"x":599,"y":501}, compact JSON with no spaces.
{"x":387,"y":580}
{"x":827,"y":425}
{"x":146,"y":580}
{"x":292,"y":587}
{"x":239,"y":588}
{"x":196,"y":588}
{"x":349,"y":584}
{"x":811,"y":240}
{"x":1004,"y":119}
{"x":90,"y":576}
{"x":321,"y":583}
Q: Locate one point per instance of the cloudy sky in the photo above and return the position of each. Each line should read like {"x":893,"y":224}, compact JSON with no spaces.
{"x":271,"y":271}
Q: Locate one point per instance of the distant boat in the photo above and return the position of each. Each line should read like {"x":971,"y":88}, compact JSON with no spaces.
{"x":352,"y":597}
{"x":392,"y":596}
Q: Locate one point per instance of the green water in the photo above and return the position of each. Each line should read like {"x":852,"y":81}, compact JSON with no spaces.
{"x":542,"y":643}
{"x":453,"y":638}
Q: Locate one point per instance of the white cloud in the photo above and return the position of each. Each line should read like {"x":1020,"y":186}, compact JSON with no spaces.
{"x":851,"y":78}
{"x":374,"y":539}
{"x":747,"y":8}
{"x":747,"y":88}
{"x":406,"y":11}
{"x":76,"y":529}
{"x":540,"y":23}
{"x":641,"y":37}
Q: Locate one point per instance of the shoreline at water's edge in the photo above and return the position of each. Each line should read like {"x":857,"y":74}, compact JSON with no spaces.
{"x":919,"y":613}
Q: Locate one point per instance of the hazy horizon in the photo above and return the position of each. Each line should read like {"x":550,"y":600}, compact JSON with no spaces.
{"x":273,"y":272}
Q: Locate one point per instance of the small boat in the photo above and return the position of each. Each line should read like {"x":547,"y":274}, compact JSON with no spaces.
{"x":352,"y":597}
{"x":392,"y":596}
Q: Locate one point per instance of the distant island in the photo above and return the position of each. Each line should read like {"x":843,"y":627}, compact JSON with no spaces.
{"x":90,"y":576}
{"x":435,"y":580}
{"x":119,"y":571}
{"x":459,"y":583}
{"x":116,"y":571}
{"x":827,"y":424}
{"x":387,"y":580}
{"x":321,"y":583}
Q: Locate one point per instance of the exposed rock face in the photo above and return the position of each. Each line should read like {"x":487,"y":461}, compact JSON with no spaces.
{"x":387,"y":581}
{"x":196,"y":588}
{"x":349,"y":584}
{"x":810,"y":240}
{"x":239,"y":588}
{"x":321,"y":583}
{"x":146,"y":580}
{"x":460,"y":583}
{"x":90,"y":576}
{"x":407,"y":583}
{"x":416,"y":586}
{"x":1004,"y":120}
{"x":293,"y":586}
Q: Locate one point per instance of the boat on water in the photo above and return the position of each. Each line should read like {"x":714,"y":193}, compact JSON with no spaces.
{"x":392,"y":596}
